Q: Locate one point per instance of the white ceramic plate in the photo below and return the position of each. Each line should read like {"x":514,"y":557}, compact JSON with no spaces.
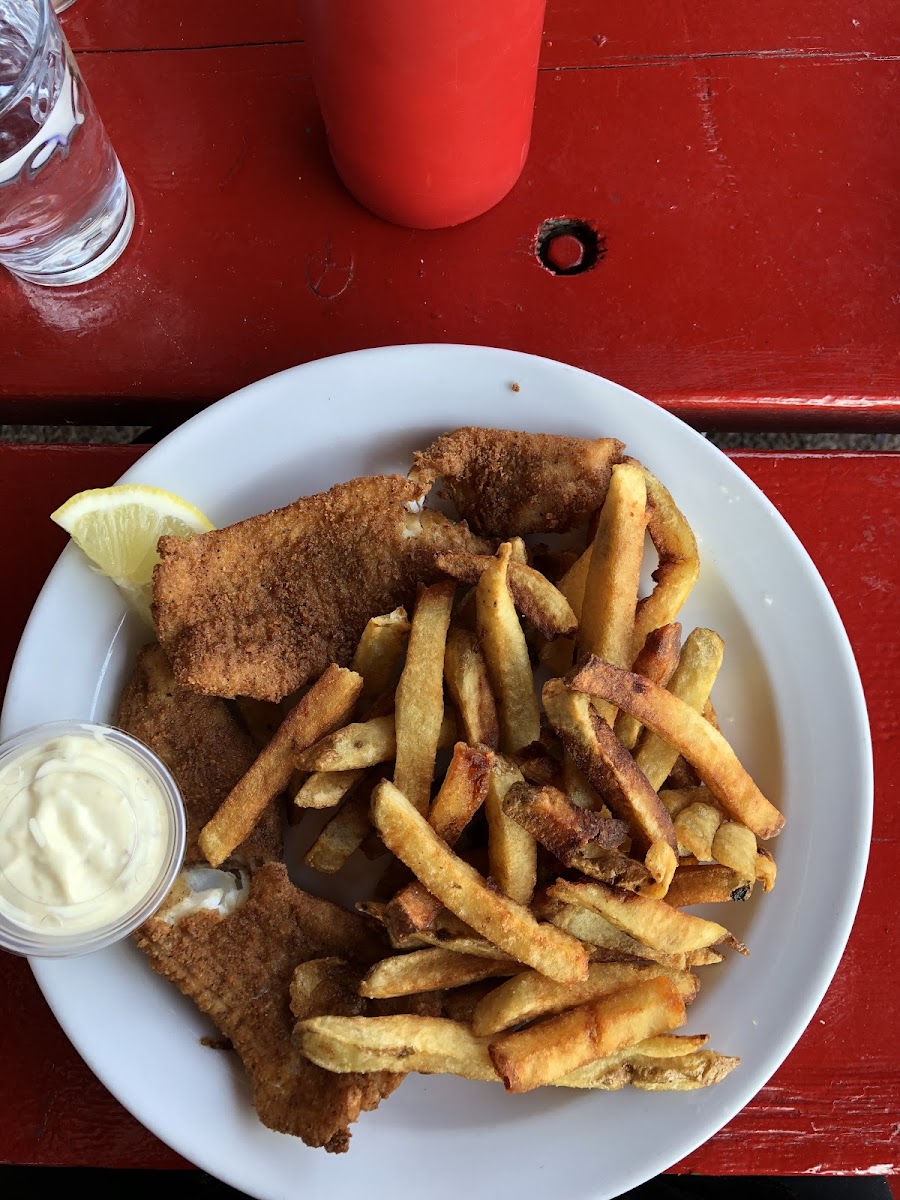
{"x":789,"y":697}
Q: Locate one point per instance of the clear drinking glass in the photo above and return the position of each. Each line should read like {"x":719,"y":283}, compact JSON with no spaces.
{"x":62,"y":5}
{"x":66,"y":211}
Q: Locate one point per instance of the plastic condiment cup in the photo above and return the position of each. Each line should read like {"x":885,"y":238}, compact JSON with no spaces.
{"x":55,"y":941}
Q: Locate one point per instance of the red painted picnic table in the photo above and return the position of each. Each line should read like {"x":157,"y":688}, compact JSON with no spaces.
{"x":739,"y":165}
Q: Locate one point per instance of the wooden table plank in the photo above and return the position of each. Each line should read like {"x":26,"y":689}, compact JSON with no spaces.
{"x":747,"y":206}
{"x":577,"y":32}
{"x":833,"y":1106}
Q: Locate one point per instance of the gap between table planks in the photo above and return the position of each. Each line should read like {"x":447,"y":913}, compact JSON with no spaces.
{"x":832,"y":1108}
{"x":746,"y":202}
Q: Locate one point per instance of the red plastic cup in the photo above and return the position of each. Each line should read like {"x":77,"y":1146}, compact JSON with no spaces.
{"x":427,"y":103}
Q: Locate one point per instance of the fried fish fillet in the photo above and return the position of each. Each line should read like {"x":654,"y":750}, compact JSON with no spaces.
{"x":263,"y":606}
{"x":505,"y":483}
{"x":202,"y":745}
{"x":238,"y":968}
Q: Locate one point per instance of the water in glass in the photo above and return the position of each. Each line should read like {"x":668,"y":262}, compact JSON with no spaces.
{"x":66,"y":211}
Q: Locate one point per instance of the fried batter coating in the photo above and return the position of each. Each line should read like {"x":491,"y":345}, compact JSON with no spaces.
{"x":202,"y":745}
{"x":238,"y":969}
{"x":263,"y":606}
{"x":505,"y":483}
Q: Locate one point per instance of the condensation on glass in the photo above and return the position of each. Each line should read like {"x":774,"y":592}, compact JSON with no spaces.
{"x":66,"y":211}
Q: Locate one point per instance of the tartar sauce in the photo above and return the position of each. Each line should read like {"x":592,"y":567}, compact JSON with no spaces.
{"x":84,"y":833}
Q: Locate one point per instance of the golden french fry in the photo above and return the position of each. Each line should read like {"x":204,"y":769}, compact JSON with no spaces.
{"x":261,"y":717}
{"x":606,"y":625}
{"x":556,"y":656}
{"x":657,"y":661}
{"x":378,"y":656}
{"x":533,"y":594}
{"x":661,"y":861}
{"x":364,"y":744}
{"x":512,"y":850}
{"x":734,"y":846}
{"x":509,"y":668}
{"x":462,"y":793}
{"x":462,"y":890}
{"x":345,"y":832}
{"x":419,"y":706}
{"x":679,"y":563}
{"x":705,"y":883}
{"x":554,"y":1047}
{"x":611,"y":866}
{"x":615,"y":1071}
{"x":565,"y":829}
{"x":325,"y":705}
{"x":538,"y":766}
{"x":427,"y":970}
{"x":676,"y":800}
{"x":698,"y":666}
{"x":325,"y":789}
{"x":765,"y":869}
{"x":698,"y":1070}
{"x":597,"y":752}
{"x":578,"y":789}
{"x":703,"y":747}
{"x":467,"y":679}
{"x":429,"y":1045}
{"x":695,"y":828}
{"x":588,"y":926}
{"x":529,"y":995}
{"x":652,"y":922}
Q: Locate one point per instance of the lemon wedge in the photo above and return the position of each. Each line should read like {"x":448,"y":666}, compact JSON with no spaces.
{"x":118,"y":528}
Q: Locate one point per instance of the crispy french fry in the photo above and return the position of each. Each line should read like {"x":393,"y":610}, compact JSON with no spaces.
{"x":679,"y":563}
{"x":534,"y":596}
{"x":554,"y":1047}
{"x":589,"y":927}
{"x":611,"y":866}
{"x":378,"y":656}
{"x":661,"y":861}
{"x":529,"y":995}
{"x":657,"y":661}
{"x":325,"y":789}
{"x":705,"y":883}
{"x":597,"y":752}
{"x":695,"y":828}
{"x":428,"y":970}
{"x":420,"y":695}
{"x":734,"y":846}
{"x":429,"y":1045}
{"x":676,"y":800}
{"x":564,"y":828}
{"x":344,"y":833}
{"x":703,"y":747}
{"x":685,"y":1074}
{"x":578,"y":788}
{"x":325,"y":705}
{"x":462,"y":793}
{"x":698,"y":666}
{"x":556,"y":656}
{"x":606,"y":625}
{"x":512,"y":850}
{"x":460,"y":887}
{"x":538,"y":766}
{"x":765,"y":869}
{"x":652,"y":922}
{"x":364,"y":744}
{"x":468,"y":944}
{"x":467,"y":679}
{"x":506,"y":653}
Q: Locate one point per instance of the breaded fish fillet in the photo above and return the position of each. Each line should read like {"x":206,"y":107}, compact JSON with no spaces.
{"x":238,"y":969}
{"x":505,"y":483}
{"x":261,"y":607}
{"x":202,"y":745}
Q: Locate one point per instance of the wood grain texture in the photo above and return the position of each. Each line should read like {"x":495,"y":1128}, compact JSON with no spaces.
{"x":833,"y":1106}
{"x":746,"y":202}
